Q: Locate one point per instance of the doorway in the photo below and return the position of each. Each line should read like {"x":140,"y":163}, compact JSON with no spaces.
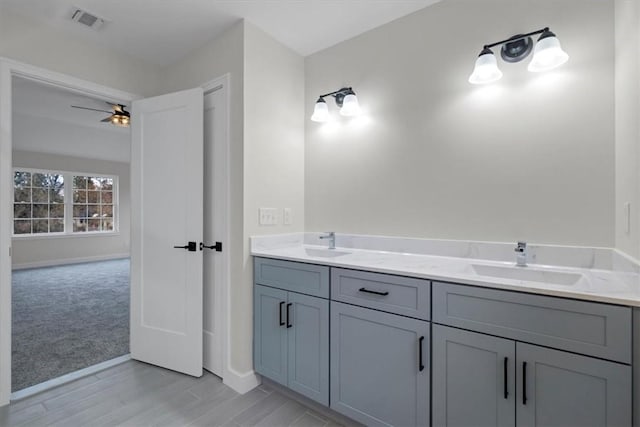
{"x":70,"y":234}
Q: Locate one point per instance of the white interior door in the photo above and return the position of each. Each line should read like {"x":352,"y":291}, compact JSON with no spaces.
{"x":215,"y":130}
{"x":167,"y":209}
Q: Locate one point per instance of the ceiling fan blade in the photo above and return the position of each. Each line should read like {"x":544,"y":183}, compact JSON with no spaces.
{"x":107,"y":120}
{"x":91,"y":109}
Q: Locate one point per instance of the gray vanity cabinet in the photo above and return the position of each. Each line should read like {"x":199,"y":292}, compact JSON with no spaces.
{"x":291,"y":342}
{"x":563,"y":389}
{"x":474,"y":382}
{"x":379,"y":366}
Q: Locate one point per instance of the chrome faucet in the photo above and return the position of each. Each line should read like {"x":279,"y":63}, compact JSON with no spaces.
{"x":521,"y":257}
{"x":331,"y":235}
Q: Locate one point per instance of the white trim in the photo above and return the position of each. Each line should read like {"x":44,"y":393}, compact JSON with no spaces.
{"x":67,"y":378}
{"x":47,"y":236}
{"x":9,"y":68}
{"x":68,"y":261}
{"x":242,"y":383}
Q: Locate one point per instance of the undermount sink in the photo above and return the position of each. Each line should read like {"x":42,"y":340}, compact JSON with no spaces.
{"x":528,"y":274}
{"x":325,"y":253}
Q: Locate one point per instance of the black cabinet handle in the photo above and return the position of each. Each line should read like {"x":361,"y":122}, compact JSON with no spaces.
{"x":191,"y":247}
{"x":506,"y":376}
{"x":217,"y":247}
{"x":385,"y":293}
{"x":281,"y":321}
{"x":288,"y":315}
{"x":420,"y":364}
{"x":524,"y":383}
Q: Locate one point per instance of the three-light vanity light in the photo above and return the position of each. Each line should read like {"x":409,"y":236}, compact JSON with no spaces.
{"x":345,"y":99}
{"x":547,"y":55}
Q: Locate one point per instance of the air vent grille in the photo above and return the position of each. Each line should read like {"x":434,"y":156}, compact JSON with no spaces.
{"x":88,"y":19}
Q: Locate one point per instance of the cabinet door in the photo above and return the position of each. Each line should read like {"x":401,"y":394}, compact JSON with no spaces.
{"x":556,"y":388}
{"x":473,"y":379}
{"x":308,"y":345}
{"x":270,"y":333}
{"x":377,"y":377}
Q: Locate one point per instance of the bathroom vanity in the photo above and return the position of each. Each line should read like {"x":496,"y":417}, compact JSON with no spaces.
{"x":407,"y":350}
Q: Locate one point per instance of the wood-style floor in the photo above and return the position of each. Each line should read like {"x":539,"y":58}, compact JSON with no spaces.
{"x":137,"y":394}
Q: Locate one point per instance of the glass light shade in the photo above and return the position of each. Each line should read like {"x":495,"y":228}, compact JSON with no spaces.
{"x":320,"y":111}
{"x":486,"y":69}
{"x":547,"y":55}
{"x":350,"y":106}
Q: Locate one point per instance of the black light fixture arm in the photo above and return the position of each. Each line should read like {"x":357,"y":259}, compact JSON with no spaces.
{"x":516,"y":38}
{"x":338,"y":95}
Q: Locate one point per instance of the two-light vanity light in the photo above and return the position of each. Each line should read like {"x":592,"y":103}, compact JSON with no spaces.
{"x":345,"y":99}
{"x":547,"y":54}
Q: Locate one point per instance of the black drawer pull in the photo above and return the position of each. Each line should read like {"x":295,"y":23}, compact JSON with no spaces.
{"x":384,"y":294}
{"x":288,"y":315}
{"x":506,"y":376}
{"x":524,"y":383}
{"x":281,"y":321}
{"x":420,"y":364}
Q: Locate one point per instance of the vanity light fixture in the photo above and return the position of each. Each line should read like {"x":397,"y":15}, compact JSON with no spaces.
{"x":345,"y":99}
{"x":547,"y":55}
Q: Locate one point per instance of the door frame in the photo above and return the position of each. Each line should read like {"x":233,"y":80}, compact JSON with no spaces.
{"x":10,"y":68}
{"x":228,"y":374}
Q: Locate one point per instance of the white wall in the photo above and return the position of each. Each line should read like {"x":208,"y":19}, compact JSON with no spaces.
{"x":34,"y":251}
{"x":29,"y":41}
{"x":45,"y":135}
{"x":627,"y":126}
{"x":531,"y":157}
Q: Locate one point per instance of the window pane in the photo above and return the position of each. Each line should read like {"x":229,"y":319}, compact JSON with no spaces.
{"x":80,"y":182}
{"x":56,"y":211}
{"x":22,"y":179}
{"x":40,"y":211}
{"x":93,"y":211}
{"x":56,"y":225}
{"x":79,"y":196}
{"x":56,"y":195}
{"x":21,"y":211}
{"x":107,"y":211}
{"x":40,"y":195}
{"x":94,"y":224}
{"x":79,"y":225}
{"x":107,"y":225}
{"x":22,"y":195}
{"x":79,"y":211}
{"x":93,"y":197}
{"x":93,"y":183}
{"x":40,"y":180}
{"x":107,"y":197}
{"x":40,"y":226}
{"x":22,"y":227}
{"x":107,"y":184}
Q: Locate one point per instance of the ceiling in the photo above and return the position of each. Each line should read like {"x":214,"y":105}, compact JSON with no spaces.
{"x":162,"y":31}
{"x":50,"y":102}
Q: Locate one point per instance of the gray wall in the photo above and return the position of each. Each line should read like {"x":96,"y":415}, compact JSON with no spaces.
{"x":531,"y":157}
{"x":33,"y":251}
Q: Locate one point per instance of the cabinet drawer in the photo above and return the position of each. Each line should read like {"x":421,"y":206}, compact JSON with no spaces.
{"x":599,"y":330}
{"x":395,"y":294}
{"x":307,"y":279}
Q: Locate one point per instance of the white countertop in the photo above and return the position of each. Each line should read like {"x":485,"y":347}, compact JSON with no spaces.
{"x":608,"y":286}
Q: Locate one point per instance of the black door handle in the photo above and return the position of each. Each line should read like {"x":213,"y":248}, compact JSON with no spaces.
{"x":281,"y":321}
{"x":217,"y":246}
{"x":420,"y":364}
{"x":288,"y":315}
{"x":191,"y":247}
{"x":524,"y":383}
{"x":384,"y":294}
{"x":506,"y":376}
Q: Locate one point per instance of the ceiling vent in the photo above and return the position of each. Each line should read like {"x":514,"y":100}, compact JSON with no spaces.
{"x":88,"y":19}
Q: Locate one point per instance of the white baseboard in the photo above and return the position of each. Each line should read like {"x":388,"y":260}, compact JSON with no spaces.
{"x":65,"y":261}
{"x":242,"y":383}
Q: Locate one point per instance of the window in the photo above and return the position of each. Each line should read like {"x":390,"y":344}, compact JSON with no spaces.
{"x":40,"y":206}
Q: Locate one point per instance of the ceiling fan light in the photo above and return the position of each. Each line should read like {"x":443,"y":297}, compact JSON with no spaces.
{"x":486,"y":69}
{"x":547,"y":54}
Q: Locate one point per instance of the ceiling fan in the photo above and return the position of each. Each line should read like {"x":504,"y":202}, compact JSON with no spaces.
{"x":119,"y":116}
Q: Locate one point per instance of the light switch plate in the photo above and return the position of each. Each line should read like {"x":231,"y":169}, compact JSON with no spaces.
{"x":267,"y":216}
{"x":287,"y":216}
